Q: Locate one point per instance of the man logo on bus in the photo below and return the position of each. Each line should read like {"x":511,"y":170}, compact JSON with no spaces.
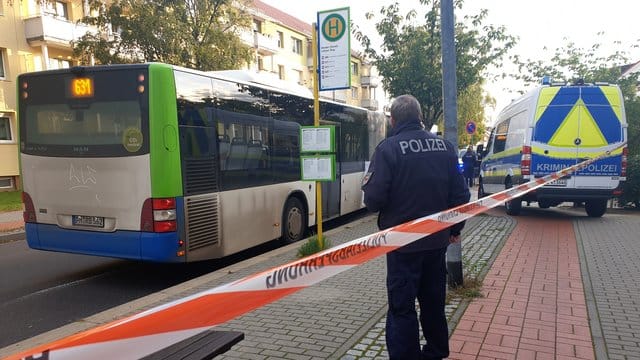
{"x":333,"y":27}
{"x":132,"y":139}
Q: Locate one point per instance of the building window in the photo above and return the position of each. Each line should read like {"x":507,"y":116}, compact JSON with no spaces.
{"x":3,"y":73}
{"x":354,"y":68}
{"x":56,"y":8}
{"x":5,"y":129}
{"x":260,"y":63}
{"x":281,"y":72}
{"x":280,"y":40}
{"x":296,"y":46}
{"x":354,"y":92}
{"x":300,"y":77}
{"x":257,"y":26}
{"x":6,"y":183}
{"x":59,"y":64}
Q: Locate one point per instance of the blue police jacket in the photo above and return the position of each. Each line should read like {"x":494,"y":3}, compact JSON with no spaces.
{"x":412,"y":174}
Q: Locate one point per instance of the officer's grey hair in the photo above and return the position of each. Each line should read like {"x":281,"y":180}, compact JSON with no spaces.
{"x":406,"y":108}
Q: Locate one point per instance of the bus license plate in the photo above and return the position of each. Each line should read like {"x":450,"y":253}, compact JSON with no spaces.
{"x":84,"y":220}
{"x":558,"y":182}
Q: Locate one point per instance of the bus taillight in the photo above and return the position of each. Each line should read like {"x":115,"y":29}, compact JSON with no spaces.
{"x":158,"y":215}
{"x":29,"y":213}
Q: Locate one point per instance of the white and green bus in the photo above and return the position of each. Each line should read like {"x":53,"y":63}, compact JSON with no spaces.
{"x":161,"y":163}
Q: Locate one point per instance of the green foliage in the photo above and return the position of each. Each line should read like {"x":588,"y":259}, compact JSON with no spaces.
{"x":409,"y":59}
{"x":311,"y":246}
{"x":10,"y":200}
{"x":571,"y":63}
{"x":471,"y":106}
{"x":200,"y":34}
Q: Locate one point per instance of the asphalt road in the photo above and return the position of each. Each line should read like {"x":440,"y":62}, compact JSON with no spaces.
{"x":43,"y":290}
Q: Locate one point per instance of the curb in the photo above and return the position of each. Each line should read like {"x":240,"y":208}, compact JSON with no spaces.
{"x":12,"y":235}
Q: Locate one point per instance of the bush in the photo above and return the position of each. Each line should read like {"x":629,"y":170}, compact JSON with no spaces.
{"x":631,"y":187}
{"x":311,"y":246}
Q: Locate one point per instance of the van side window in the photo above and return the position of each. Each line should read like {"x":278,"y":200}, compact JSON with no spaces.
{"x":501,"y":136}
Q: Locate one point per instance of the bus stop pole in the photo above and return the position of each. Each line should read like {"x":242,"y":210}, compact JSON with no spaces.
{"x":454,"y":252}
{"x":316,"y":122}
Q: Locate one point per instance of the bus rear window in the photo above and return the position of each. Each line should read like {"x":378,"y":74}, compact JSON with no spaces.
{"x":109,"y":123}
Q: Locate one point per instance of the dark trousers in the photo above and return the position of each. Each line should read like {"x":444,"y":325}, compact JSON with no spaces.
{"x":420,"y":275}
{"x":468,"y":177}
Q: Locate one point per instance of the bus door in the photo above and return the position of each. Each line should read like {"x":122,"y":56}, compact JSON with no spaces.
{"x":331,"y":189}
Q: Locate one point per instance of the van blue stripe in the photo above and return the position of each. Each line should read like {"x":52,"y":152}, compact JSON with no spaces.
{"x":597,"y":105}
{"x":604,"y":116}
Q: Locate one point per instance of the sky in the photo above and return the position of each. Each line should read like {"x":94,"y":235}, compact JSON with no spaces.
{"x":537,"y":24}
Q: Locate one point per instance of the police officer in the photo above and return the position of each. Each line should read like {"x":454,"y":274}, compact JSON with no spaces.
{"x":412,"y":174}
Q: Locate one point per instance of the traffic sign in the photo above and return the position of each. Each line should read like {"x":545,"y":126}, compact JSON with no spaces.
{"x":470,"y":127}
{"x":334,"y":49}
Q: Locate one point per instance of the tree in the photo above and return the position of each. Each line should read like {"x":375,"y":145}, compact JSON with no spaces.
{"x":409,"y":59}
{"x":200,"y":34}
{"x":471,"y":105}
{"x":571,"y":63}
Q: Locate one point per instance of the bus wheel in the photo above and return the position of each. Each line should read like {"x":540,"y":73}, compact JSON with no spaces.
{"x":294,"y":221}
{"x":595,"y":208}
{"x":514,"y":206}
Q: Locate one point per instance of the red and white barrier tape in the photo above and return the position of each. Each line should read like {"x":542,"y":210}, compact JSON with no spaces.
{"x":155,"y":329}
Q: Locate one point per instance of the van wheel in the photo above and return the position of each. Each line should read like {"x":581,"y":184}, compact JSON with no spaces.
{"x":294,"y":221}
{"x":481,"y":192}
{"x":514,"y":206}
{"x":595,"y":208}
{"x":544,"y":204}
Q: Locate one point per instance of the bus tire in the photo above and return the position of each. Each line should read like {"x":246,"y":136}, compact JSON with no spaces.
{"x":294,"y":221}
{"x":595,"y":208}
{"x":514,"y":206}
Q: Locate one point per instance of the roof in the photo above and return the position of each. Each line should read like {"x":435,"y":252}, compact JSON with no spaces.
{"x":629,"y":69}
{"x":282,"y":17}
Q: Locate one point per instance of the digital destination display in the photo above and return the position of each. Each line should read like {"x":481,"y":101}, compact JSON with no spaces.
{"x":81,"y":87}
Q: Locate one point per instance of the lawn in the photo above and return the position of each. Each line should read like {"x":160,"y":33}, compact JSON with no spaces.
{"x":10,"y":200}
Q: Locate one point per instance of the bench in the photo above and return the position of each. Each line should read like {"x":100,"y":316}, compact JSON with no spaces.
{"x":205,"y":345}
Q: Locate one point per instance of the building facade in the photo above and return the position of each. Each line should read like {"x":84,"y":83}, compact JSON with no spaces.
{"x":34,"y":35}
{"x":283,"y":50}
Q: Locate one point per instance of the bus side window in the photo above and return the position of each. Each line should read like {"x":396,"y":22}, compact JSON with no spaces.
{"x":254,"y":154}
{"x":237,"y":154}
{"x":225,"y":144}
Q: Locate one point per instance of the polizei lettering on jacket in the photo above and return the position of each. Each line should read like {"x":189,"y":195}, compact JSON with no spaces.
{"x":422,"y":145}
{"x":289,"y":273}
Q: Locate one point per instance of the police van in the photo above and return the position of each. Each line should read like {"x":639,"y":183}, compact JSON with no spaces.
{"x":553,"y":127}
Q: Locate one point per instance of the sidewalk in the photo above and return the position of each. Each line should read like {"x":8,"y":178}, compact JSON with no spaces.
{"x":11,"y":225}
{"x":553,"y":289}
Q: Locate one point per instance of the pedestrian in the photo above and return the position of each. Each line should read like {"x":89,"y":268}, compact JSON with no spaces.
{"x":469,"y":160}
{"x":412,"y":174}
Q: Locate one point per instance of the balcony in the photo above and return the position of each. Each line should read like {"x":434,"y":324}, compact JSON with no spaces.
{"x":265,"y":45}
{"x":371,"y":104}
{"x":370,"y":81}
{"x":55,"y":32}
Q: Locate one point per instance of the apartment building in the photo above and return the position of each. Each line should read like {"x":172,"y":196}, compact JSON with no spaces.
{"x":283,"y":50}
{"x":34,"y":35}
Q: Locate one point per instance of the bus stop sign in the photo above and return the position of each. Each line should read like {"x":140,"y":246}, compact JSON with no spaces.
{"x":470,"y":127}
